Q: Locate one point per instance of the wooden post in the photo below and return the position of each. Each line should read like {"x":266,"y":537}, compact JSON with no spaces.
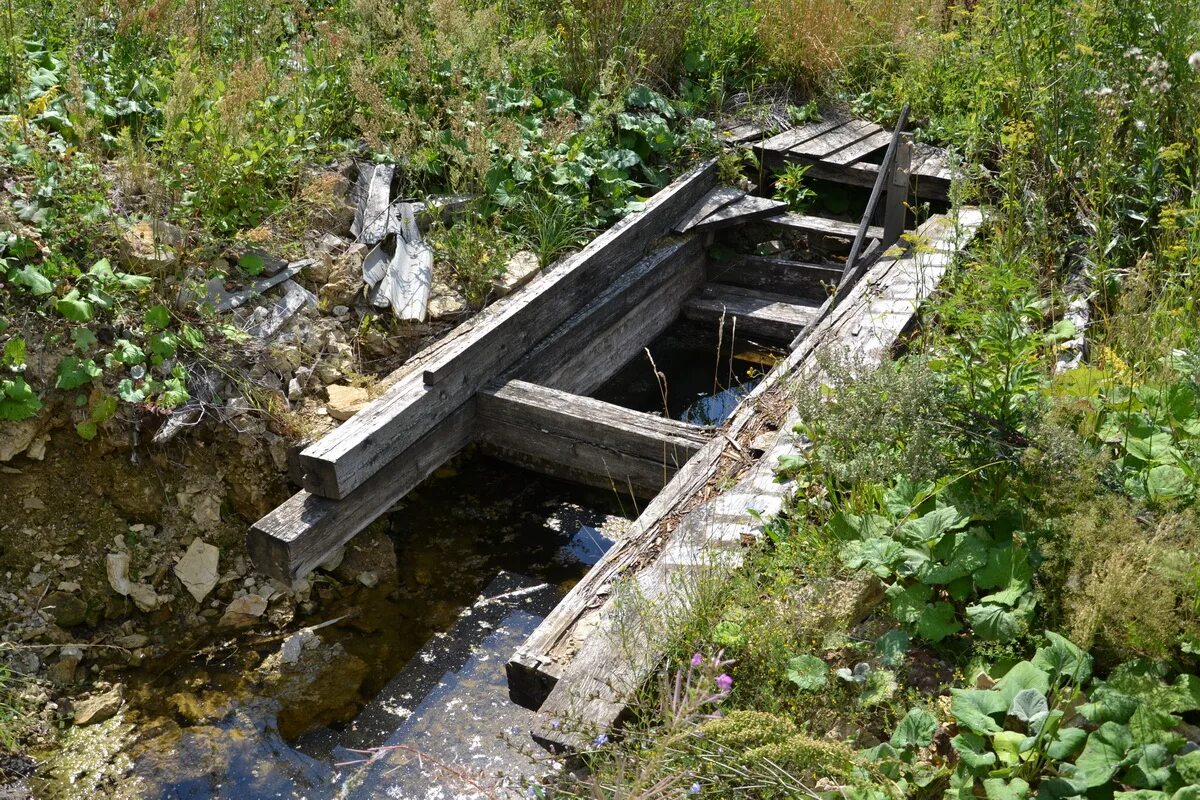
{"x":897,"y":192}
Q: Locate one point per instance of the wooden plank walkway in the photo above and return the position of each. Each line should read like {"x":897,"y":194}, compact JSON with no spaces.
{"x":596,"y":650}
{"x":839,"y":148}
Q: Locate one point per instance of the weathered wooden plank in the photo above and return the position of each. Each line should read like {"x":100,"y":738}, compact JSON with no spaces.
{"x":576,"y":437}
{"x":302,"y":532}
{"x":601,"y":623}
{"x":828,"y":143}
{"x":758,"y":313}
{"x":927,"y":184}
{"x":743,"y":210}
{"x":491,"y":342}
{"x":588,"y":349}
{"x":746,"y":132}
{"x":777,"y":275}
{"x":820,"y":226}
{"x":712,"y":202}
{"x":861,"y":149}
{"x":371,"y":216}
{"x":788,"y":139}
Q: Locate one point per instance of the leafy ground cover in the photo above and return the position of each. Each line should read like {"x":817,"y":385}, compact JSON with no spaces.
{"x":987,"y":583}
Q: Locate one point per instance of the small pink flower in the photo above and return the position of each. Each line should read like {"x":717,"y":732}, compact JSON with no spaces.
{"x":724,"y":683}
{"x":697,"y":660}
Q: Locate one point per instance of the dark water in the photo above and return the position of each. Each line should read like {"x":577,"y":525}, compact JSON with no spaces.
{"x":692,"y":373}
{"x":444,"y":617}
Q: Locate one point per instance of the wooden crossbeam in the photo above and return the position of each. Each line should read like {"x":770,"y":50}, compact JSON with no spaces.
{"x":773,"y":316}
{"x":776,"y":275}
{"x":821,"y":227}
{"x":583,"y":439}
{"x":489,"y":344}
{"x":742,"y":210}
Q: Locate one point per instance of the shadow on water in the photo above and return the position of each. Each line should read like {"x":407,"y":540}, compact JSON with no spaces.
{"x":482,"y":552}
{"x":692,"y":373}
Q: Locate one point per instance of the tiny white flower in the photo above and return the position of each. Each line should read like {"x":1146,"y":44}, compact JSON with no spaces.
{"x":1194,"y":60}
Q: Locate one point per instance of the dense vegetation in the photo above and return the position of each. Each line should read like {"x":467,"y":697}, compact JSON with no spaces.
{"x":1033,"y":529}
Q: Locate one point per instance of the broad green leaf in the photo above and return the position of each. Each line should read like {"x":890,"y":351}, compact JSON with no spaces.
{"x":1067,"y":743}
{"x":1142,"y":794}
{"x":157,"y":317}
{"x":908,"y":602}
{"x":74,"y":308}
{"x":1167,"y":481}
{"x":808,"y":672}
{"x":1151,"y":769}
{"x":14,"y":352}
{"x":34,"y":281}
{"x":1063,"y":658}
{"x":1006,"y":563}
{"x":916,"y":730}
{"x":973,"y":751}
{"x":967,"y":554}
{"x":83,"y":339}
{"x":892,"y":646}
{"x":1188,"y":767}
{"x":859,"y":526}
{"x":1029,"y":706}
{"x":974,"y":709}
{"x":1157,"y":447}
{"x":17,"y":400}
{"x":993,"y":623}
{"x":175,"y":394}
{"x":1002,"y":789}
{"x":163,"y":344}
{"x":192,"y":337}
{"x":1108,"y":705}
{"x":104,"y":408}
{"x":73,"y":373}
{"x":133,"y":282}
{"x":930,"y":527}
{"x":937,"y":621}
{"x":1007,"y":745}
{"x":1023,"y":675}
{"x":903,"y":497}
{"x":130,"y":394}
{"x":128,"y":353}
{"x":1104,"y":754}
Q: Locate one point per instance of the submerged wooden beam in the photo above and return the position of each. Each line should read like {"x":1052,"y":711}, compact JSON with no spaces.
{"x":584,"y":663}
{"x":491,"y":343}
{"x":298,"y":535}
{"x":774,"y":316}
{"x":583,"y":439}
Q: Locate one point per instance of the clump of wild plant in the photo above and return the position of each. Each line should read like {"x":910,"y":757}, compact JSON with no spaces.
{"x":1128,"y":583}
{"x":869,"y":425}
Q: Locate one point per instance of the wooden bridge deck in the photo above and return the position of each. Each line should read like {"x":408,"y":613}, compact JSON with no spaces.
{"x":516,"y":380}
{"x":840,"y":148}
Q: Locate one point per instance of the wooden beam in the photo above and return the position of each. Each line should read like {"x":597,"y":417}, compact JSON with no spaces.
{"x":618,"y":616}
{"x":490,"y":343}
{"x":298,"y":535}
{"x":782,"y":142}
{"x":742,"y":210}
{"x":591,"y":347}
{"x":583,"y":439}
{"x":774,"y":316}
{"x":829,"y":143}
{"x":712,"y":202}
{"x":828,"y":231}
{"x":777,"y":275}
